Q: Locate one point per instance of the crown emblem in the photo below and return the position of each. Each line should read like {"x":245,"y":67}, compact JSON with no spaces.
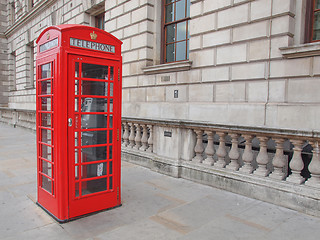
{"x":93,"y":35}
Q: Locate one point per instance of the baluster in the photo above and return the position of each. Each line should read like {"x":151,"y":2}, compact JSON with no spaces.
{"x":221,"y":152}
{"x":262,"y":158}
{"x":199,"y":147}
{"x":247,"y":155}
{"x":150,"y":140}
{"x":144,"y":139}
{"x":234,"y":153}
{"x":209,"y":149}
{"x":278,"y":160}
{"x":296,"y":163}
{"x":138,"y":137}
{"x":131,"y":137}
{"x":126,"y":134}
{"x":314,"y":166}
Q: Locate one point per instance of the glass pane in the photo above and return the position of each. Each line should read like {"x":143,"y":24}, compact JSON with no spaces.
{"x":89,"y":121}
{"x":76,"y":74}
{"x":47,"y":168}
{"x":76,"y":156}
{"x":46,"y":103}
{"x":110,"y":152}
{"x":110,"y":136}
{"x":94,"y":105}
{"x":94,"y":71}
{"x":110,"y":168}
{"x":46,"y":136}
{"x":111,"y":105}
{"x":111,"y":121}
{"x":45,"y":87}
{"x":46,"y":184}
{"x":45,"y":119}
{"x":94,"y":88}
{"x":93,"y":138}
{"x":188,"y":8}
{"x":77,"y":189}
{"x":181,"y":31}
{"x":110,"y":183}
{"x":188,"y":49}
{"x":46,"y":152}
{"x":181,"y":51}
{"x":317,"y":4}
{"x":76,"y":140}
{"x":76,"y":87}
{"x":93,"y":170}
{"x":111,"y":73}
{"x":170,"y":53}
{"x":76,"y":172}
{"x":180,"y":9}
{"x":170,"y":13}
{"x":316,"y":26}
{"x":111,"y":89}
{"x":76,"y":104}
{"x":93,"y":154}
{"x":169,"y":1}
{"x":171,"y":31}
{"x":93,"y":186}
{"x":46,"y":71}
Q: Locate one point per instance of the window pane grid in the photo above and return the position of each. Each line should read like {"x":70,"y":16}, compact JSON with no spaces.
{"x":176,"y":30}
{"x":316,"y":22}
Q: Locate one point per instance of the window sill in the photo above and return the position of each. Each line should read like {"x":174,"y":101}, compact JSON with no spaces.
{"x":168,"y":67}
{"x":29,"y":87}
{"x":303,"y":50}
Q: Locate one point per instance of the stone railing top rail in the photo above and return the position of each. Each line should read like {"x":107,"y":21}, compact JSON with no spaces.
{"x":274,"y":132}
{"x":17,"y":110}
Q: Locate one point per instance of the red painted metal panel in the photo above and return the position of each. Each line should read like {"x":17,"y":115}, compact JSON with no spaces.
{"x":71,"y":185}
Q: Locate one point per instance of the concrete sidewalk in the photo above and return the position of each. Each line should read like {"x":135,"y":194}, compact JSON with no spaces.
{"x":155,"y":206}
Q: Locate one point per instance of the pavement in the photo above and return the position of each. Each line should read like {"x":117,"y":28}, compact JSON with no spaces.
{"x":155,"y":206}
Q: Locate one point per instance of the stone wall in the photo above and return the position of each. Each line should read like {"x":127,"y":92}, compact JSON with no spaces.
{"x":3,"y":55}
{"x":240,"y":73}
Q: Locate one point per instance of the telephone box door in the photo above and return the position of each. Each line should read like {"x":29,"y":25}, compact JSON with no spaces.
{"x":93,"y":134}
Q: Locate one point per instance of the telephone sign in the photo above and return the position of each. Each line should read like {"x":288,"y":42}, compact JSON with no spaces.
{"x":78,"y":120}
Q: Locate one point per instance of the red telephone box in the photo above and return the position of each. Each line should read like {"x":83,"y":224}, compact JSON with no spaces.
{"x":78,"y":120}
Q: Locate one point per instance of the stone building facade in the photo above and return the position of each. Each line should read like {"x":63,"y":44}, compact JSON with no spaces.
{"x":244,"y":95}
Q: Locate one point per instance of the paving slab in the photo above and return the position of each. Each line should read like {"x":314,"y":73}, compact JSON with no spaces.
{"x":154,"y":206}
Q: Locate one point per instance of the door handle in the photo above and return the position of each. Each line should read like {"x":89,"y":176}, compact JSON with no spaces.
{"x":70,"y":122}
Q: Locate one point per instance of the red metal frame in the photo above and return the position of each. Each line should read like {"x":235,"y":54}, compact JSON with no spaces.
{"x":61,"y":202}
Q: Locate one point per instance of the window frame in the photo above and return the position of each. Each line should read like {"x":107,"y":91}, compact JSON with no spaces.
{"x":97,"y":18}
{"x":310,"y":10}
{"x":164,"y":26}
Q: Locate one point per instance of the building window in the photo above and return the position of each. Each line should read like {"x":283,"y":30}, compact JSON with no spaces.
{"x":312,"y":29}
{"x":176,"y":19}
{"x":12,"y":13}
{"x":12,"y":71}
{"x":30,"y":65}
{"x":99,"y":21}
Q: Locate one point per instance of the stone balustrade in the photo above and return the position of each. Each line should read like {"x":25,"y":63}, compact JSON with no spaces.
{"x":264,"y":163}
{"x":18,"y":117}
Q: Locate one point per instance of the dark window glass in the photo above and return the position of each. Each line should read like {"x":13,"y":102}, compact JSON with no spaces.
{"x":316,"y":26}
{"x":94,"y":170}
{"x":93,"y":154}
{"x":46,"y":71}
{"x":94,"y":71}
{"x":93,"y":186}
{"x":176,"y":30}
{"x":93,"y":138}
{"x":94,"y":88}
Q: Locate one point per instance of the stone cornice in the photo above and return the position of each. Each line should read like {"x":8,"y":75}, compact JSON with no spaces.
{"x":36,"y":10}
{"x":168,"y":67}
{"x":303,"y":50}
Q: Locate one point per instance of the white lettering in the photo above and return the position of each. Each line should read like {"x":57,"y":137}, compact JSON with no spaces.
{"x":92,"y":45}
